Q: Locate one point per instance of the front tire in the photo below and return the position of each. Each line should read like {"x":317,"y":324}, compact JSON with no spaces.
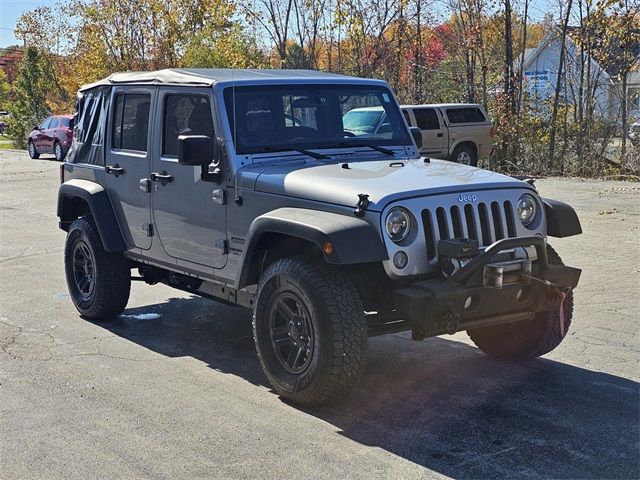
{"x":33,"y":152}
{"x":531,"y":338}
{"x":310,"y":331}
{"x":99,"y":281}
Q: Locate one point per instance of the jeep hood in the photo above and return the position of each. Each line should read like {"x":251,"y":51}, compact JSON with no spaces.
{"x":384,"y":181}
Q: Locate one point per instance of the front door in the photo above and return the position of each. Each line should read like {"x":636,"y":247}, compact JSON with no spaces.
{"x":40,"y":137}
{"x":188,"y":212}
{"x":433,"y":138}
{"x":127,"y":161}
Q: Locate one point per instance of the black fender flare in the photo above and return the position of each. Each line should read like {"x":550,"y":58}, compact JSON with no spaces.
{"x":353,"y":240}
{"x":101,"y":209}
{"x":562,"y":219}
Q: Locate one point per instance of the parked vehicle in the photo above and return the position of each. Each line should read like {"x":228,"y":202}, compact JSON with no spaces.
{"x":3,"y":127}
{"x":53,"y":135}
{"x":461,"y":132}
{"x":246,"y":187}
{"x":634,"y":133}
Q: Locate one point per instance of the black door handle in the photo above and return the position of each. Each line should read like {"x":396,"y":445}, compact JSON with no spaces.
{"x":440,"y":135}
{"x":115,"y":169}
{"x":162,"y":177}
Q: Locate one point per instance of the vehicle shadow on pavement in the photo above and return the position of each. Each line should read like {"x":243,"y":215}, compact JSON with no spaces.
{"x":438,"y":403}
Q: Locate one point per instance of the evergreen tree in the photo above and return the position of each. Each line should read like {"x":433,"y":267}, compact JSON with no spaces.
{"x":29,"y":92}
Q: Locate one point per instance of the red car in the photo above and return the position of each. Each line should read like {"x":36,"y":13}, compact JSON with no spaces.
{"x":53,"y":135}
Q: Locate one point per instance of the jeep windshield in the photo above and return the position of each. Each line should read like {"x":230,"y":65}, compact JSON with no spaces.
{"x":271,"y":118}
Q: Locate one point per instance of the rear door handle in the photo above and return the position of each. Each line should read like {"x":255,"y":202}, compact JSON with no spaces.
{"x":115,"y":169}
{"x":162,"y":177}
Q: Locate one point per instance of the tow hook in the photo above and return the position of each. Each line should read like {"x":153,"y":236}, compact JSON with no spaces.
{"x":452,"y":323}
{"x":361,"y":206}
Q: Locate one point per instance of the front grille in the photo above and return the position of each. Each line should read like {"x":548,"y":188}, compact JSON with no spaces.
{"x":485,"y":222}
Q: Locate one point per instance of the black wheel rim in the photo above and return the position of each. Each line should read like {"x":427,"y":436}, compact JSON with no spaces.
{"x":84,"y":270}
{"x":291,"y":330}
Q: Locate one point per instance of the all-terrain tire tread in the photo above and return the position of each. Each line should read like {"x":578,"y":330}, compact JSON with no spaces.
{"x":554,"y":332}
{"x":113,"y":296}
{"x":346,"y":316}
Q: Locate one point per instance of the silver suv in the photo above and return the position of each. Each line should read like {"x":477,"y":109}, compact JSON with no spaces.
{"x":245,"y":187}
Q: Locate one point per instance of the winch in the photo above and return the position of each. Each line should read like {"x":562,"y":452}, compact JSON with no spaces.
{"x":504,"y":268}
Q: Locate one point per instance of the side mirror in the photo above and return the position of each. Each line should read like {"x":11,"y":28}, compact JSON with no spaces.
{"x":37,"y":127}
{"x":195,"y":150}
{"x":416,"y":133}
{"x":198,"y":150}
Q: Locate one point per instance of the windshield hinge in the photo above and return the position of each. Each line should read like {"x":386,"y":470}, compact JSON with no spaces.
{"x":361,"y":206}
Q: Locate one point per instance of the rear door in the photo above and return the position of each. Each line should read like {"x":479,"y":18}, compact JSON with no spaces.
{"x":434,"y":140}
{"x":189,"y":213}
{"x":128,"y":160}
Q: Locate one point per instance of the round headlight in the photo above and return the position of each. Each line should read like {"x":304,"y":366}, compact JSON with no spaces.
{"x":398,"y":224}
{"x":527,"y":209}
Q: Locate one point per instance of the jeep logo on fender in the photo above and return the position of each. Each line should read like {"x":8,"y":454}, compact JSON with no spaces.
{"x":467,"y":197}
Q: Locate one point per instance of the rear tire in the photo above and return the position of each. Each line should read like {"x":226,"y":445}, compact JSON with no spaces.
{"x":531,"y":338}
{"x":99,"y":281}
{"x":310,"y":331}
{"x":465,"y":155}
{"x":33,"y":151}
{"x":58,"y":151}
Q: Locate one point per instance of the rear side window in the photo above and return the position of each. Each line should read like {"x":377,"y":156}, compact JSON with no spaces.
{"x":131,"y":122}
{"x":465,"y":115}
{"x":185,"y":115}
{"x":427,"y":119}
{"x":67,"y":122}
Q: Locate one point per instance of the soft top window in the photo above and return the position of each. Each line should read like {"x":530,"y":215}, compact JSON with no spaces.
{"x":187,"y":114}
{"x":89,"y":126}
{"x":131,"y":122}
{"x":465,"y":115}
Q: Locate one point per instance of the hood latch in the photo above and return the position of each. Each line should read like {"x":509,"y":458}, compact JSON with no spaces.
{"x":361,"y":206}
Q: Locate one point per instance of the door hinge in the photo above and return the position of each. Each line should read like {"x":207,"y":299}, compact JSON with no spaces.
{"x":219,"y":196}
{"x":147,"y":228}
{"x":221,"y":245}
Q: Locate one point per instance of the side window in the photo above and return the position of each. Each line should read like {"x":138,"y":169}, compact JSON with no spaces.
{"x":427,"y":119}
{"x":407,"y":117}
{"x":185,"y":115}
{"x":465,"y":115}
{"x":67,"y":122}
{"x":131,"y":122}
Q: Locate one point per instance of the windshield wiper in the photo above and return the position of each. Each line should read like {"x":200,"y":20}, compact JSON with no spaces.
{"x":319,"y":156}
{"x":386,"y":151}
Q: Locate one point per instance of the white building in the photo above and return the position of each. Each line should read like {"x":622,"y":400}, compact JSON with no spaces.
{"x":541,"y":76}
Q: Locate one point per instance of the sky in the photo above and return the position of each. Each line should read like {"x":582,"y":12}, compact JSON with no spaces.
{"x":10,"y":11}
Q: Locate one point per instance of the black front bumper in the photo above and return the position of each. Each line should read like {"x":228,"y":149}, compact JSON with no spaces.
{"x":463,"y":300}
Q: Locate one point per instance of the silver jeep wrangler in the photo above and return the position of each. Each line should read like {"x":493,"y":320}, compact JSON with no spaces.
{"x":245,"y":187}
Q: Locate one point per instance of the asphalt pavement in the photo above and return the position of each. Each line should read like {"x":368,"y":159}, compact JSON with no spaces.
{"x":173,"y":389}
